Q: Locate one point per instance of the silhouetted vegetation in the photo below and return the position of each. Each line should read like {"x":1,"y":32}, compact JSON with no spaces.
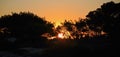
{"x":21,"y":30}
{"x":68,"y":24}
{"x":105,"y":18}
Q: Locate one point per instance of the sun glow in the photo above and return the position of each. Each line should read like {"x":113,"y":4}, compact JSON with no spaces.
{"x":57,"y":24}
{"x":60,"y":35}
{"x":61,"y":32}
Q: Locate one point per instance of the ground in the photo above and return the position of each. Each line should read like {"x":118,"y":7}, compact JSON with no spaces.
{"x":64,"y":48}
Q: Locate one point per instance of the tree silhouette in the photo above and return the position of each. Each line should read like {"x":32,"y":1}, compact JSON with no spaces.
{"x":24,"y":26}
{"x":105,"y":18}
{"x":81,"y":24}
{"x":68,"y":24}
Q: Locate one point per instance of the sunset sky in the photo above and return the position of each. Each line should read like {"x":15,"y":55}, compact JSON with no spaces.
{"x":53,"y":10}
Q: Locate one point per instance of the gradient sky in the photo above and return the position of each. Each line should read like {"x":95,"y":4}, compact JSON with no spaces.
{"x":53,"y":10}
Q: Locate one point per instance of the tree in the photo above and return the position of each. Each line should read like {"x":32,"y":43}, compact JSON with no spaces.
{"x":81,"y":24}
{"x":108,"y":19}
{"x":68,"y":25}
{"x":24,"y":26}
{"x":105,"y":18}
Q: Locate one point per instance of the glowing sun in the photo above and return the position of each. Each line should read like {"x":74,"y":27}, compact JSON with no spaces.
{"x":60,"y":35}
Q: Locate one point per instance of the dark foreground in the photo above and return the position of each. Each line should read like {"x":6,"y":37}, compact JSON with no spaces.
{"x":64,"y":48}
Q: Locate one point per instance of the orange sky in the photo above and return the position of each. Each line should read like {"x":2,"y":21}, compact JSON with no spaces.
{"x":53,"y":10}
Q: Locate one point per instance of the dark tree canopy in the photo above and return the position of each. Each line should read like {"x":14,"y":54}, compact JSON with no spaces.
{"x":81,"y":24}
{"x":106,"y":18}
{"x":24,"y":25}
{"x":68,"y":25}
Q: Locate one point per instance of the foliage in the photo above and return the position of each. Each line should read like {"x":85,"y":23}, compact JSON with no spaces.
{"x":106,"y":18}
{"x":24,"y":27}
{"x":68,"y":24}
